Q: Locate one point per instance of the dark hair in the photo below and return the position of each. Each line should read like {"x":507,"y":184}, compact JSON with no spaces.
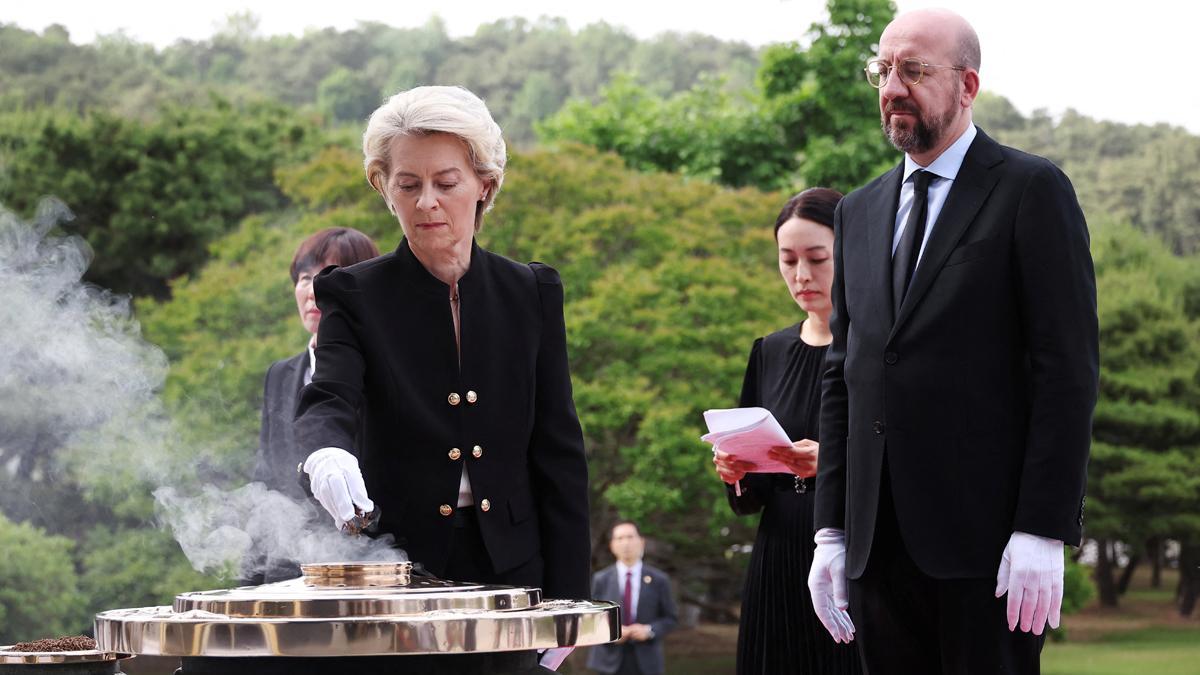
{"x":815,"y":204}
{"x":333,"y":246}
{"x":624,"y":522}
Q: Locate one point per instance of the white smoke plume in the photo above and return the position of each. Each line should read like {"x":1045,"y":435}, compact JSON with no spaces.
{"x":79,"y":389}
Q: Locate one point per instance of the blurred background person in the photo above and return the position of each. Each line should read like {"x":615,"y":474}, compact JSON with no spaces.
{"x":647,"y":609}
{"x":442,"y":394}
{"x":278,"y":455}
{"x":778,"y":631}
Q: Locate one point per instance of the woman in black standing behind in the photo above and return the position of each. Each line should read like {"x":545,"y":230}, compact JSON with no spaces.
{"x":779,"y":632}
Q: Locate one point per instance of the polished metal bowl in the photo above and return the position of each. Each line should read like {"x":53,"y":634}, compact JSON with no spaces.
{"x":357,"y":609}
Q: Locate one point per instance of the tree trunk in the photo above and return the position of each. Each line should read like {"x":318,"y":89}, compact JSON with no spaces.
{"x":1189,"y":578}
{"x":1103,"y":575}
{"x":1156,"y":549}
{"x":1127,"y":573}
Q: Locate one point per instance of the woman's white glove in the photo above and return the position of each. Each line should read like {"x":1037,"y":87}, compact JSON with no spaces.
{"x":337,"y":483}
{"x":1031,"y":572}
{"x":827,"y":584}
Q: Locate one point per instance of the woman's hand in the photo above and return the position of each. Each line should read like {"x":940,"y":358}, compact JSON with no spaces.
{"x":730,"y":468}
{"x":800,"y":457}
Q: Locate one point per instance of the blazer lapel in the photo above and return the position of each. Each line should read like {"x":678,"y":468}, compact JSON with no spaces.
{"x":644,"y":594}
{"x":971,"y":187}
{"x":611,"y":586}
{"x":294,"y":382}
{"x":881,"y":224}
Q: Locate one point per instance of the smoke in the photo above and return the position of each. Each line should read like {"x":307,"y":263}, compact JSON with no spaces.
{"x":260,"y":529}
{"x":79,"y":396}
{"x":72,"y":355}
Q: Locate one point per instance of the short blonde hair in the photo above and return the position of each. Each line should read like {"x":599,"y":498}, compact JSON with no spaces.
{"x":432,"y":110}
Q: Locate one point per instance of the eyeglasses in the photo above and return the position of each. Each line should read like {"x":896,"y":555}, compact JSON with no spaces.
{"x":910,"y":70}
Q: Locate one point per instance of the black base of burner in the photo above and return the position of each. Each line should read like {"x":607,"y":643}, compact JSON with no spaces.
{"x":497,"y":663}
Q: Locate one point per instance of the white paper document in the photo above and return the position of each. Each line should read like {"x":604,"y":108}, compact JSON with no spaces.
{"x":748,"y":433}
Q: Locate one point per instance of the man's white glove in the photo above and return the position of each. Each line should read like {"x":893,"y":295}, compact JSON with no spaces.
{"x":827,"y":584}
{"x":337,"y":483}
{"x":1031,"y":572}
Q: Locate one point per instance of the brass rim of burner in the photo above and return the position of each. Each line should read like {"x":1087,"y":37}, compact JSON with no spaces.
{"x":343,"y":573}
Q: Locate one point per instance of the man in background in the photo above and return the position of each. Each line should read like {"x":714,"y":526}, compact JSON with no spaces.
{"x":647,"y":608}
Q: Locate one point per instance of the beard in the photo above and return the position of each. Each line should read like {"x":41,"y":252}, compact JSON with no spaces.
{"x":926,"y":131}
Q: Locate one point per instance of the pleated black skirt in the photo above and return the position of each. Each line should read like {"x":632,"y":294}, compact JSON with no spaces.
{"x":779,"y":632}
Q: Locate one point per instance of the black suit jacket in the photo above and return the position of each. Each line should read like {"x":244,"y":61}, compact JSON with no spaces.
{"x":386,"y":348}
{"x":655,"y":606}
{"x":981,"y":389}
{"x":277,"y":457}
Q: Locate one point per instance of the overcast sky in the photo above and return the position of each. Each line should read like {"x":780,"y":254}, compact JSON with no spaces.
{"x":1129,"y":62}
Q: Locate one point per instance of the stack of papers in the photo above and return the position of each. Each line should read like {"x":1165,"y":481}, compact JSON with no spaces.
{"x":748,"y":433}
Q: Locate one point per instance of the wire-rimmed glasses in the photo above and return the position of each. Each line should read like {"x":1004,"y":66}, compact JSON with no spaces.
{"x":911,"y":71}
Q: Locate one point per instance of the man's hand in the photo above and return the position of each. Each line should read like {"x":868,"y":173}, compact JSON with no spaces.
{"x":730,"y":468}
{"x":800,"y":457}
{"x":338,"y":484}
{"x":827,"y":584}
{"x":637,"y":632}
{"x":1031,"y":572}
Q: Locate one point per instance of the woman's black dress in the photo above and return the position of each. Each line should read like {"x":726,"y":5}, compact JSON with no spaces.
{"x":779,"y":632}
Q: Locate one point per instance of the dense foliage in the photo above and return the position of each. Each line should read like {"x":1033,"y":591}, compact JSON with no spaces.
{"x":523,"y":69}
{"x":149,"y":196}
{"x":38,"y":589}
{"x":810,"y":119}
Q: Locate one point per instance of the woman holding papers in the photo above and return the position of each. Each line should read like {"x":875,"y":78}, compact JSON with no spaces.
{"x":779,"y":632}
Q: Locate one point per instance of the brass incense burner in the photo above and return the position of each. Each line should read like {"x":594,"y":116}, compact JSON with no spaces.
{"x":357,"y":609}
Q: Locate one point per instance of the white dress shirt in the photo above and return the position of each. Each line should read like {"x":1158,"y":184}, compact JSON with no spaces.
{"x":945,"y":170}
{"x":312,"y":361}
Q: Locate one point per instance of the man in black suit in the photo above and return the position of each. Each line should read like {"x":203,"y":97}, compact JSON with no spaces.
{"x":647,"y":608}
{"x":958,"y":397}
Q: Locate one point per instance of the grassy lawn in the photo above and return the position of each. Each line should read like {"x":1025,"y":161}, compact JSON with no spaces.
{"x":1150,"y":651}
{"x":1145,"y":635}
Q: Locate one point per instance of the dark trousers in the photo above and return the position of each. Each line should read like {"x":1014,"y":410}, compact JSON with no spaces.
{"x":629,"y":662}
{"x":910,"y":623}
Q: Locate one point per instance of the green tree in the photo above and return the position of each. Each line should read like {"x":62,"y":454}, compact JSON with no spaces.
{"x":149,"y":197}
{"x":812,"y":120}
{"x":347,"y":96}
{"x":39,"y":594}
{"x":822,"y":101}
{"x":705,"y":132}
{"x":136,"y":567}
{"x":1144,"y":474}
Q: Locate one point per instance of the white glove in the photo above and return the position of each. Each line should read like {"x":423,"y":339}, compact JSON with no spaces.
{"x":338,"y":484}
{"x":1031,"y":572}
{"x":827,"y":584}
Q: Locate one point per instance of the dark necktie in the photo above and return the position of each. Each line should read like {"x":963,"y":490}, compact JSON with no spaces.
{"x":627,"y":616}
{"x":904,"y":261}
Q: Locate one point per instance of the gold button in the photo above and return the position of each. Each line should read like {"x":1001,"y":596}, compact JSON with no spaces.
{"x":455,"y":453}
{"x":445,"y":509}
{"x":453,"y":398}
{"x":477,"y":452}
{"x":472,"y":397}
{"x":485,"y":505}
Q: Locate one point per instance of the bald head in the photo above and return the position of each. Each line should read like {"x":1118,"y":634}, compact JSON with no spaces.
{"x":955,"y":38}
